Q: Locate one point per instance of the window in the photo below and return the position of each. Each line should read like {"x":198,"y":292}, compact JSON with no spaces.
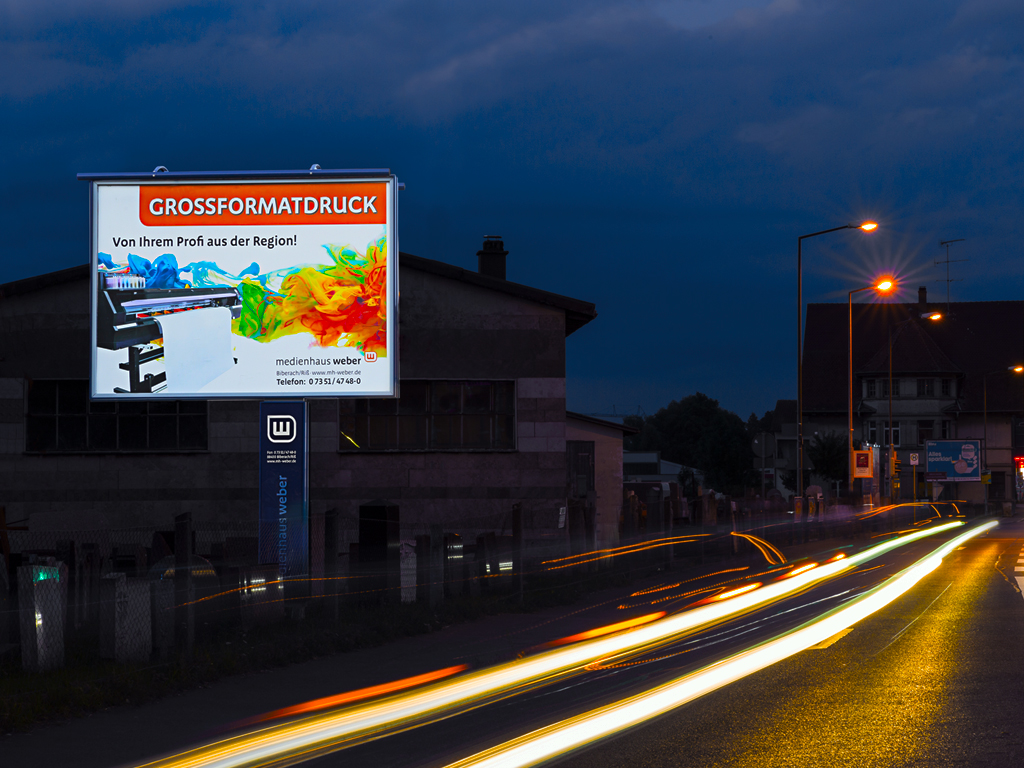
{"x":871,"y":388}
{"x":947,"y":430}
{"x":432,"y":415}
{"x":60,"y":418}
{"x":925,"y":431}
{"x":926,"y":387}
{"x":872,"y":432}
{"x":947,"y":387}
{"x":882,"y":386}
{"x":895,"y":433}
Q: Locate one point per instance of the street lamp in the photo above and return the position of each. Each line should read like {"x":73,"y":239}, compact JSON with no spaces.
{"x":884,"y":286}
{"x":933,"y":316}
{"x":984,"y":406}
{"x":866,"y":226}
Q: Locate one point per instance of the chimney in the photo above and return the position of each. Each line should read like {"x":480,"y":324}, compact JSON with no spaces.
{"x":922,"y":298}
{"x":491,"y":259}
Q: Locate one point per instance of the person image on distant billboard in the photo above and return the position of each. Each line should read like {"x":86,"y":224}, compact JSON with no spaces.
{"x":968,"y":460}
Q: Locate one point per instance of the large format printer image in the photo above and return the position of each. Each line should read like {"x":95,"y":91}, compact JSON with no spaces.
{"x":193,"y":323}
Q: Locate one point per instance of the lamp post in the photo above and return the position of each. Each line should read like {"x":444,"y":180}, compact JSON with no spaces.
{"x":984,"y":407}
{"x":867,"y":226}
{"x":884,"y":286}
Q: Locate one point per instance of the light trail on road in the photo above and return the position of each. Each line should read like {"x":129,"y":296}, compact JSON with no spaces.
{"x":296,"y":741}
{"x":560,"y":738}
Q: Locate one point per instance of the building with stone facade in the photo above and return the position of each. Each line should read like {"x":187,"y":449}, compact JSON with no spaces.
{"x":480,"y":424}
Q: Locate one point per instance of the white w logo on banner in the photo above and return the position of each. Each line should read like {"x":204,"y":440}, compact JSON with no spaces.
{"x":281,"y":429}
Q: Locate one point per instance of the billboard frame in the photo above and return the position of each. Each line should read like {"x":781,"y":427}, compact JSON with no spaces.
{"x":975,"y":477}
{"x":160,"y":175}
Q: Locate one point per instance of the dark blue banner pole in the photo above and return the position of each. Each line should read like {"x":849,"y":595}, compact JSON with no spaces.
{"x":284,"y":487}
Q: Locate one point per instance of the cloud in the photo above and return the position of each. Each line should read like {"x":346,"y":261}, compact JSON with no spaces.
{"x":691,"y":136}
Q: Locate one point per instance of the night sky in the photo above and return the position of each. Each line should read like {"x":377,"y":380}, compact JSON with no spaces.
{"x":658,"y":159}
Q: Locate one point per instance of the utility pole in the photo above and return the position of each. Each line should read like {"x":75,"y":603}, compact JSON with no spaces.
{"x":947,"y":262}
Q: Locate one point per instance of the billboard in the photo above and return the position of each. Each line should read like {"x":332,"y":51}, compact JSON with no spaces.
{"x":244,"y":285}
{"x":863,"y":465}
{"x":953,"y":461}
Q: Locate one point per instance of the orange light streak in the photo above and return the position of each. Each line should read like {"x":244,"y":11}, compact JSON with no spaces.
{"x":358,"y":695}
{"x":623,"y":549}
{"x":796,"y":571}
{"x":738,"y":591}
{"x":605,"y":630}
{"x":656,"y":589}
{"x":660,"y":543}
{"x":762,"y":545}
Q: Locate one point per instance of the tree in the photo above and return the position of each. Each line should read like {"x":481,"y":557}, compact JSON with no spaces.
{"x":697,"y":432}
{"x":828,"y":454}
{"x":788,"y":477}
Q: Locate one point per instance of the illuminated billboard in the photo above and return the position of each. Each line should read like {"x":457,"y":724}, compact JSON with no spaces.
{"x":244,"y":285}
{"x":951,"y":461}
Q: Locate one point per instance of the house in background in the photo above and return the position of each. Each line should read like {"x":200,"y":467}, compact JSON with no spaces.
{"x":594,"y":467}
{"x":950,"y":380}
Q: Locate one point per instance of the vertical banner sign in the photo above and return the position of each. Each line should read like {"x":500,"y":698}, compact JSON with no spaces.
{"x":284,"y":508}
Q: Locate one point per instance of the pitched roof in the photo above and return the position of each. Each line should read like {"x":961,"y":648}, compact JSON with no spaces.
{"x":577,"y":313}
{"x":913,"y":351}
{"x":623,"y":428}
{"x":974,"y":339}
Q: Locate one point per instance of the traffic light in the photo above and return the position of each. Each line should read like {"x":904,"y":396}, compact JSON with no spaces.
{"x":896,"y":463}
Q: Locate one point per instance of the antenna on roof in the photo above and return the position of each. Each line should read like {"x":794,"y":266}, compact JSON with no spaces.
{"x":947,"y":262}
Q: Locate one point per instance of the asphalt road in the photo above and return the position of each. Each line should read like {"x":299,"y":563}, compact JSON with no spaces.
{"x":883,"y":694}
{"x":934,"y":679}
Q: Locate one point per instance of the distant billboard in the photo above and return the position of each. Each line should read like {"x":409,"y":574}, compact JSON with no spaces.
{"x":953,"y":461}
{"x":863,"y":464}
{"x":243,"y":285}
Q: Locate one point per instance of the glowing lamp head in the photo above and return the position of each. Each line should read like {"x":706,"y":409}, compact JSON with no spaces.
{"x":935,"y":316}
{"x":1018,"y":369}
{"x":884,"y":286}
{"x":869,"y":226}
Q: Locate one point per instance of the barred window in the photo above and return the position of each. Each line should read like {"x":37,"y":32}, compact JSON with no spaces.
{"x":60,"y":418}
{"x":947,"y":387}
{"x":926,"y":387}
{"x":925,"y":430}
{"x":871,"y":388}
{"x":432,"y":416}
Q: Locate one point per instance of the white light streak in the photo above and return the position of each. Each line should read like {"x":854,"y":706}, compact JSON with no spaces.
{"x":559,"y":738}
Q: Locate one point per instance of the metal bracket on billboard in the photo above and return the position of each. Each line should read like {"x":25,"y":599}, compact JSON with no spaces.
{"x":244,"y":284}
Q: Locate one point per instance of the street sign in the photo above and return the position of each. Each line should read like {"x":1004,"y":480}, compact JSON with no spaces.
{"x":914,"y":459}
{"x":932,"y":477}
